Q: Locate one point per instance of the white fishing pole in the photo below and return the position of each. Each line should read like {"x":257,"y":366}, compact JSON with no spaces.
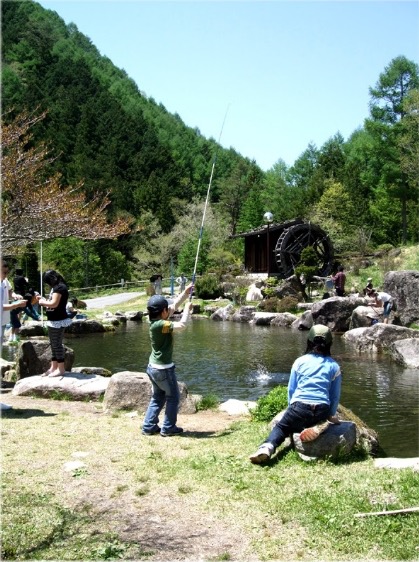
{"x":206,"y":203}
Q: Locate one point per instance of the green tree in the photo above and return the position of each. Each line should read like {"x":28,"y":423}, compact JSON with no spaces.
{"x":386,"y":126}
{"x":336,"y":213}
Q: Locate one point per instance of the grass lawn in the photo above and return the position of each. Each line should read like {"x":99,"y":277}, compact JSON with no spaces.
{"x":133,"y":493}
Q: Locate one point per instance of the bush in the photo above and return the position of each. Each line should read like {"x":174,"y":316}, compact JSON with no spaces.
{"x":287,"y":303}
{"x":384,"y":248}
{"x":209,"y":402}
{"x":208,"y":287}
{"x":267,"y":407}
{"x":269,"y":304}
{"x":274,"y":304}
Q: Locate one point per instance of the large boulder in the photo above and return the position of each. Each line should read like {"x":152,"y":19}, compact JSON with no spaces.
{"x":336,"y":312}
{"x":304,"y":322}
{"x":32,"y":330}
{"x":263,"y":318}
{"x":404,"y":287}
{"x":378,"y":337}
{"x":87,"y":327}
{"x":135,"y":316}
{"x":336,"y":440}
{"x":92,"y":371}
{"x":288,"y":289}
{"x":131,"y":390}
{"x":284,"y":319}
{"x":73,"y":386}
{"x":364,"y":316}
{"x":406,"y":352}
{"x":34,"y":358}
{"x":223,"y":313}
{"x":244,"y":314}
{"x":6,"y":366}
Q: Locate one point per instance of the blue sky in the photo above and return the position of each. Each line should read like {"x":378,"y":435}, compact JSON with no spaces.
{"x":288,"y":73}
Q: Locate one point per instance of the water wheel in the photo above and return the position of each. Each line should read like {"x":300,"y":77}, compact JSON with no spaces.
{"x":292,"y":242}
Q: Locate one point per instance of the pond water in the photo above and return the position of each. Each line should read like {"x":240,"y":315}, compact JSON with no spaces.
{"x":242,"y":361}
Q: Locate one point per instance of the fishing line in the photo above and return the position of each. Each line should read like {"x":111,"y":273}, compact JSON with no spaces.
{"x":206,"y":204}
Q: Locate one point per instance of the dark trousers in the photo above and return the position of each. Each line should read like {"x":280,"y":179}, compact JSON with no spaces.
{"x":56,"y":336}
{"x":297,"y":417}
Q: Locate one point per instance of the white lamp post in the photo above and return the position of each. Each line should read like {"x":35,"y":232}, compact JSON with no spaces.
{"x":268,"y":216}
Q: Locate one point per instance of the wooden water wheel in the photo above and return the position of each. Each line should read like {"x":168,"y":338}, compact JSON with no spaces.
{"x":292,"y":242}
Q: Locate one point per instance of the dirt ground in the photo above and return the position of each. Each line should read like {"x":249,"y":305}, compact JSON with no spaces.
{"x":168,"y":525}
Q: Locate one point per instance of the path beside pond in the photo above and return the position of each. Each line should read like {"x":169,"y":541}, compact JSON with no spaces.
{"x":102,"y":302}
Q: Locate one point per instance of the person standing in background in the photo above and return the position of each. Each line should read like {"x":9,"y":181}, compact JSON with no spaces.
{"x":7,"y":294}
{"x":57,"y":320}
{"x":339,"y":281}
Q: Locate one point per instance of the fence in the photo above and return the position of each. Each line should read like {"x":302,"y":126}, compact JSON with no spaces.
{"x":141,"y":284}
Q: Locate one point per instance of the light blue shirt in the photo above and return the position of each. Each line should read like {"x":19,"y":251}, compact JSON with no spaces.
{"x":315,"y":379}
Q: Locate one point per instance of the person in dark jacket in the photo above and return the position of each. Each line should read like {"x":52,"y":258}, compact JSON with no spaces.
{"x":57,"y":320}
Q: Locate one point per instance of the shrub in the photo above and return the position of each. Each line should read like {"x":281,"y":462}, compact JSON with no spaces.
{"x":384,"y":248}
{"x":287,"y":303}
{"x":209,"y":402}
{"x":267,"y":407}
{"x":208,"y":287}
{"x":274,"y":304}
{"x":269,"y":304}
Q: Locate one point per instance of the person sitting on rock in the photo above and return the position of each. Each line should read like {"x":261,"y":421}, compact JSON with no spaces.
{"x":313,"y":395}
{"x":369,"y":288}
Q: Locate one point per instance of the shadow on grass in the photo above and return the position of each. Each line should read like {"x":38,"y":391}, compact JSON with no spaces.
{"x":24,"y":414}
{"x":201,"y":434}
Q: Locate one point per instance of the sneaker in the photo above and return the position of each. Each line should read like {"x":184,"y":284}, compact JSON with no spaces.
{"x":263,"y":454}
{"x":173,"y":431}
{"x":5,"y":406}
{"x":154,"y":431}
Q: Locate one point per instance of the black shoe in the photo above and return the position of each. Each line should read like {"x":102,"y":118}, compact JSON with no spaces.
{"x":154,"y":431}
{"x":7,"y":384}
{"x":173,"y":431}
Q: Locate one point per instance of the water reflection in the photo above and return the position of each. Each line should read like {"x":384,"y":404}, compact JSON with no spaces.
{"x":242,"y":361}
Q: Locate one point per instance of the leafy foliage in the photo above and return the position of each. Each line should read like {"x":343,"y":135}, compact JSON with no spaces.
{"x":208,"y":287}
{"x":267,"y":407}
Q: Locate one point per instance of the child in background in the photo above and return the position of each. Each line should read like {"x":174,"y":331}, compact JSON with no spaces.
{"x":161,"y":369}
{"x":313,"y":394}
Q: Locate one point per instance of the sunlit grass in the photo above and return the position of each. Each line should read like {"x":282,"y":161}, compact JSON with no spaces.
{"x":288,"y":509}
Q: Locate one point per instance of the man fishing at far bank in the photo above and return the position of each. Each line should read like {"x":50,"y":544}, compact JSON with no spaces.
{"x":161,"y":368}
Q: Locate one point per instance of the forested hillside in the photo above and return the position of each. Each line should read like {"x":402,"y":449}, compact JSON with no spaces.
{"x":103,"y":131}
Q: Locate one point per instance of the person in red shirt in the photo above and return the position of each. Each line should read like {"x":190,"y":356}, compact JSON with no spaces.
{"x":339,"y":281}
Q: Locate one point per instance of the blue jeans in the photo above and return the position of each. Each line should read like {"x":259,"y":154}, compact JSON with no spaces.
{"x":165,"y":391}
{"x":387,"y":306}
{"x":297,"y":417}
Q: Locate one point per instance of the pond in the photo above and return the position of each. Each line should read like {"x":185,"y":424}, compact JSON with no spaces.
{"x":242,"y":361}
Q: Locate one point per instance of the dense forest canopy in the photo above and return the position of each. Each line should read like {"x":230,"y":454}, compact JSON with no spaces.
{"x":114,"y":140}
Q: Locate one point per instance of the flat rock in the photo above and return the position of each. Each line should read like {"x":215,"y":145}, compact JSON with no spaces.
{"x":235,"y":407}
{"x":75,"y":386}
{"x":393,"y":462}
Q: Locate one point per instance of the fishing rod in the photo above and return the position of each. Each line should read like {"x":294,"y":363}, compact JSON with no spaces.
{"x":201,"y":231}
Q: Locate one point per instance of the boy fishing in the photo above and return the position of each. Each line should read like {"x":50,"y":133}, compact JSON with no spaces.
{"x":161,"y":369}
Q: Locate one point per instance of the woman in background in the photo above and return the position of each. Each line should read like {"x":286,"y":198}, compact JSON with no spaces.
{"x":57,"y":320}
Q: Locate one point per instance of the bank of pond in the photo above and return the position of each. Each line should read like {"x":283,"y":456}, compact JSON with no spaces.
{"x":244,"y":361}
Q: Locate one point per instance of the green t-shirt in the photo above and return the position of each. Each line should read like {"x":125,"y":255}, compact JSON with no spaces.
{"x":161,"y":336}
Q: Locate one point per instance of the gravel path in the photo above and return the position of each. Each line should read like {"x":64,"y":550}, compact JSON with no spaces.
{"x":101,"y":302}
